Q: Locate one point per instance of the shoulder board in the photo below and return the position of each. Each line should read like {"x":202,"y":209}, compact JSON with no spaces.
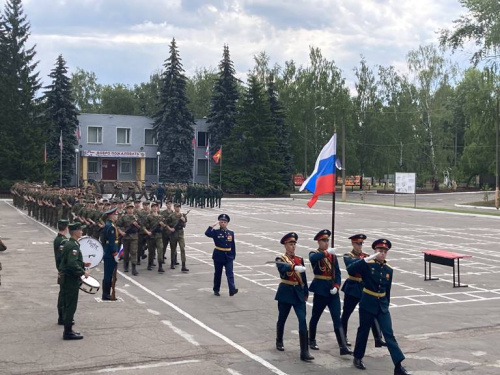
{"x":388,"y":265}
{"x":371,"y":261}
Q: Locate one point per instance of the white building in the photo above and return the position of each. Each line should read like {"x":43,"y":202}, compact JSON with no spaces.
{"x":124,"y":148}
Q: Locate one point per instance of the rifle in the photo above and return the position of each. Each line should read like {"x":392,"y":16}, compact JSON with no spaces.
{"x":181,"y":224}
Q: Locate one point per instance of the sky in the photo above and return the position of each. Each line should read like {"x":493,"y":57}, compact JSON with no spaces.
{"x":124,"y":41}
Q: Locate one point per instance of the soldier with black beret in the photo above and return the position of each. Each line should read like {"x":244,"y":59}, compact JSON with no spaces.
{"x":292,"y":292}
{"x":326,"y":285}
{"x":224,"y":253}
{"x":353,"y":288}
{"x":71,"y":270}
{"x":374,"y":304}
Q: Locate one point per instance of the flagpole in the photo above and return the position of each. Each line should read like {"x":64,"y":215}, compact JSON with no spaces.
{"x":194,"y":157}
{"x":60,"y":162}
{"x":208,"y":161}
{"x":333,"y":196}
{"x":220,"y":169}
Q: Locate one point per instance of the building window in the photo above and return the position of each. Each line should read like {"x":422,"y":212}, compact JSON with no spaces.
{"x":125,"y":166}
{"x":202,"y":139}
{"x":151,"y":166}
{"x":92,"y":165}
{"x":150,"y":138}
{"x":123,"y":136}
{"x":94,"y":134}
{"x":202,"y":167}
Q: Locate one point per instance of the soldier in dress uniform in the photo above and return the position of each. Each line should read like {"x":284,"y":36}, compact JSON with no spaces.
{"x":374,"y":304}
{"x":326,"y":285}
{"x":111,"y":248}
{"x":128,"y":227}
{"x":59,"y":241}
{"x":71,"y":269}
{"x":353,"y":289}
{"x":292,"y":292}
{"x":224,"y":253}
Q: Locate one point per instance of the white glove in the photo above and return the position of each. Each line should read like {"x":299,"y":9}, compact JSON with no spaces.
{"x":333,"y":291}
{"x":371,"y":257}
{"x":331,"y":250}
{"x":300,"y":269}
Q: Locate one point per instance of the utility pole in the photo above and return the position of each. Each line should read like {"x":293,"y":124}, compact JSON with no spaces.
{"x":497,"y":193}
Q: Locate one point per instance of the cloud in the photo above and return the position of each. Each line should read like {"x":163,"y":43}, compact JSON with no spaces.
{"x":125,"y":41}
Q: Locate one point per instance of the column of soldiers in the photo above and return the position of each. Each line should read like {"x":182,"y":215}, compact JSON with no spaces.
{"x":140,"y":228}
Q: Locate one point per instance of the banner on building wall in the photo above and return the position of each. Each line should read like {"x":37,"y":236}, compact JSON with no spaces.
{"x":114,"y":154}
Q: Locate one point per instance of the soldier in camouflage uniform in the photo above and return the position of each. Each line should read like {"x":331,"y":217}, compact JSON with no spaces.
{"x":153,"y":228}
{"x":128,"y":226}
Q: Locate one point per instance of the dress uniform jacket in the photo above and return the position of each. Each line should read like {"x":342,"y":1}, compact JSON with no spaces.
{"x":377,"y":279}
{"x":224,"y":245}
{"x":353,"y":285}
{"x":321,"y":264}
{"x":293,"y":286}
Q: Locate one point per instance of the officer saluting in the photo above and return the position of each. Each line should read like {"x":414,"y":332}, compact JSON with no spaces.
{"x":374,"y":304}
{"x":224,"y":253}
{"x":326,"y":285}
{"x":353,"y":289}
{"x":292,"y":292}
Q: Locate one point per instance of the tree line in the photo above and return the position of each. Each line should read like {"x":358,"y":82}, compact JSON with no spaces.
{"x":434,"y":119}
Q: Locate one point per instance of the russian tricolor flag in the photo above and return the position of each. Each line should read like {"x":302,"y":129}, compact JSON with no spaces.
{"x":322,"y":180}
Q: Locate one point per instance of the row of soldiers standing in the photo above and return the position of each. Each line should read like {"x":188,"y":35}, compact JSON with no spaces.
{"x":141,"y":225}
{"x":196,"y":195}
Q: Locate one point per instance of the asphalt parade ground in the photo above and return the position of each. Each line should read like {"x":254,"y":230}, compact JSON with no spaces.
{"x":173,"y":323}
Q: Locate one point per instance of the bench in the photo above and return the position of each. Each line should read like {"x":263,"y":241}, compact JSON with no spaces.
{"x":445,"y":258}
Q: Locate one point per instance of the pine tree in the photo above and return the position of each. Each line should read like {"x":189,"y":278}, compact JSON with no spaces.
{"x":252,"y":159}
{"x":283,"y":131}
{"x":21,"y":155}
{"x":61,"y":114}
{"x":174,"y":123}
{"x":224,"y":101}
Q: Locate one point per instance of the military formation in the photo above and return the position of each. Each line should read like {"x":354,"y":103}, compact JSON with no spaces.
{"x":145,"y":232}
{"x":369,"y":284}
{"x":194,"y":195}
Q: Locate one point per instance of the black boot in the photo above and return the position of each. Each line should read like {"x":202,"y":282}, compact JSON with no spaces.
{"x":344,"y":350}
{"x":150,"y":266}
{"x":134,"y":270}
{"x":106,"y":291}
{"x":160,"y":267}
{"x":312,"y":339}
{"x":184,"y":269}
{"x":125,"y":267}
{"x":70,"y":335}
{"x":172,"y":265}
{"x":344,"y":326}
{"x":279,"y":338}
{"x":304,"y":347}
{"x":358,"y":363}
{"x":377,"y":335}
{"x":60,"y":318}
{"x":400,"y":370}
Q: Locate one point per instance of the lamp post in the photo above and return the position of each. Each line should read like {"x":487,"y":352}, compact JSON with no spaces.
{"x":76,"y":165}
{"x":158,"y":153}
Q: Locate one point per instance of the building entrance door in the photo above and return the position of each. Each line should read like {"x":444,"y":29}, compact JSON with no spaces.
{"x":109,"y":169}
